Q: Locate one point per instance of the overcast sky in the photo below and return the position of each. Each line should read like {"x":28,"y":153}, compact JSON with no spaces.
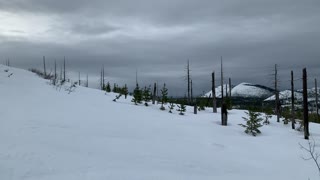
{"x":158,"y":37}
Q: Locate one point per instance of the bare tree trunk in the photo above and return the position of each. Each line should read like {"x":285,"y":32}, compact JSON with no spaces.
{"x":87,"y":84}
{"x":277,"y":108}
{"x":101,"y":79}
{"x":191,"y":91}
{"x":226,"y":90}
{"x":188,"y":79}
{"x":292,"y":103}
{"x":230,"y":88}
{"x":213,"y":90}
{"x":79,"y":79}
{"x":103,"y":83}
{"x":154,"y":93}
{"x":223,"y":106}
{"x":195,"y":108}
{"x":305,"y":105}
{"x":44,"y":67}
{"x":64,"y":69}
{"x":316,"y":87}
{"x":61,"y":73}
{"x":55,"y":73}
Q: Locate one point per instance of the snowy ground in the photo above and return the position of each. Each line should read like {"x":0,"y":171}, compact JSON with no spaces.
{"x":48,"y":134}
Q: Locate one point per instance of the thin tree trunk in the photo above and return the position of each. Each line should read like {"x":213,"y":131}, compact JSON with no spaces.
{"x":87,"y":84}
{"x":64,"y":68}
{"x":317,"y":109}
{"x":213,"y":90}
{"x":223,"y":115}
{"x":230,"y":88}
{"x":79,"y":79}
{"x":188,"y":79}
{"x":103,"y":83}
{"x":277,"y":108}
{"x":55,"y":73}
{"x":191,"y":91}
{"x":292,"y":103}
{"x":44,"y":67}
{"x":154,"y":93}
{"x":305,"y":105}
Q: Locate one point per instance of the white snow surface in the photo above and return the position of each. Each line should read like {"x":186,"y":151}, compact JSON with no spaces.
{"x":48,"y":134}
{"x":286,"y":95}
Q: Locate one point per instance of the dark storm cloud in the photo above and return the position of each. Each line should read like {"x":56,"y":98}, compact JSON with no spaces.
{"x":156,"y":38}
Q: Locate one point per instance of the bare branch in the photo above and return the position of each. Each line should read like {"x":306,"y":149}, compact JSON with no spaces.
{"x":310,"y":149}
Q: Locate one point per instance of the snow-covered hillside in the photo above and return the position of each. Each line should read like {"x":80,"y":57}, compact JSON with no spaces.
{"x":286,"y":95}
{"x":218,"y":91}
{"x":48,"y":134}
{"x":251,"y":90}
{"x":244,"y":90}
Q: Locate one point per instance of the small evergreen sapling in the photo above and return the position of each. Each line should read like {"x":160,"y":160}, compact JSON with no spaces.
{"x":201,"y":106}
{"x":182,"y":109}
{"x":137,"y":95}
{"x":252,"y":123}
{"x":108,"y":88}
{"x":125,"y":91}
{"x":164,"y":96}
{"x":171,"y":107}
{"x":267,"y":116}
{"x":286,"y":115}
{"x":146,"y":96}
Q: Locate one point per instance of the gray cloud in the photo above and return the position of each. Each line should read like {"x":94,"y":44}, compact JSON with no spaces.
{"x":158,"y":37}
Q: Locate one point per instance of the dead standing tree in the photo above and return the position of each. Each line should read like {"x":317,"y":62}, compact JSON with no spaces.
{"x":224,"y":112}
{"x":316,"y":89}
{"x":277,"y":103}
{"x":213,"y":90}
{"x":44,"y":67}
{"x":154,"y":93}
{"x":188,"y":81}
{"x":305,"y":105}
{"x":292,"y":103}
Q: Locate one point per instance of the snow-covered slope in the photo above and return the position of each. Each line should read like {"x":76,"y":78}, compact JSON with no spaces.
{"x":218,"y":91}
{"x":286,"y":95}
{"x":251,"y":90}
{"x":48,"y":134}
{"x":244,"y":90}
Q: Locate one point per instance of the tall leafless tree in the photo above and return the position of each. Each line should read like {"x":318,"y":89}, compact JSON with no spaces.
{"x":316,"y":88}
{"x":305,"y":104}
{"x":277,"y":103}
{"x":213,"y":90}
{"x":292,"y":103}
{"x":44,"y":67}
